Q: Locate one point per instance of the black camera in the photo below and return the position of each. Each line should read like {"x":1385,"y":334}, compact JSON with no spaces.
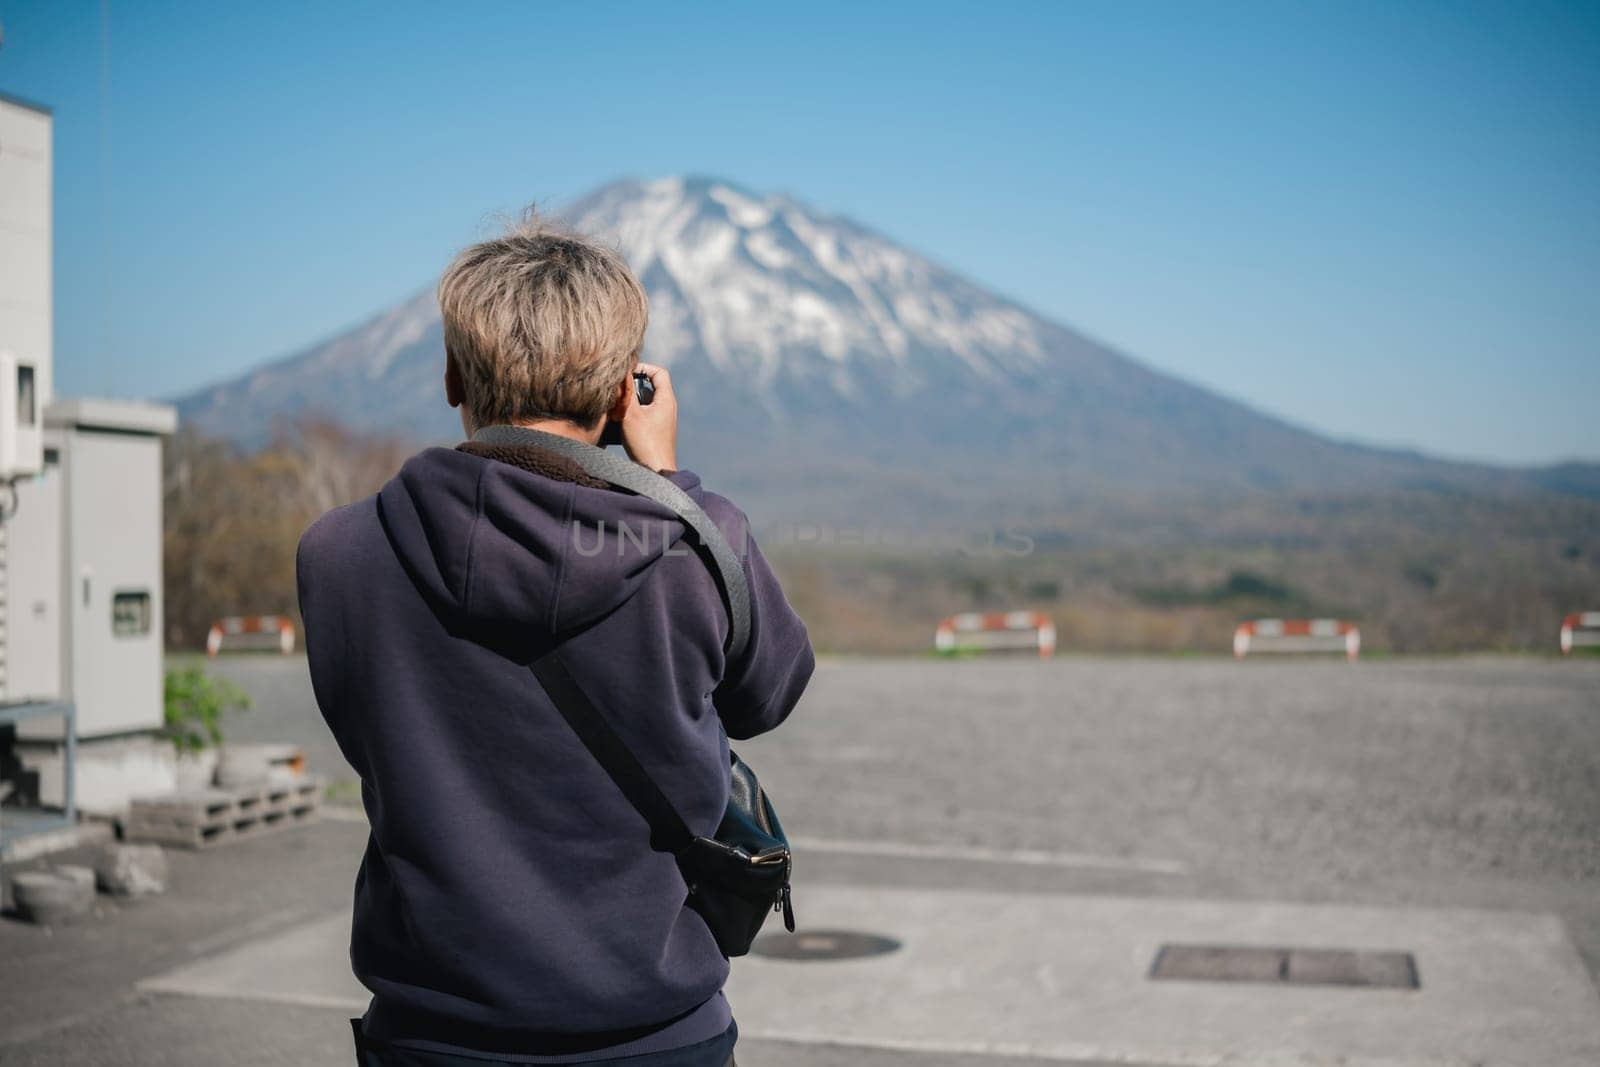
{"x":644,"y":391}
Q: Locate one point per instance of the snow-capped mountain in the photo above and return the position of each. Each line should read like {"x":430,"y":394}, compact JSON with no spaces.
{"x":762,"y":289}
{"x":811,"y":354}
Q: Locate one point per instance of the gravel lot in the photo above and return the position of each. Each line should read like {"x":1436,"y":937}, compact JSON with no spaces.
{"x":1448,"y":782}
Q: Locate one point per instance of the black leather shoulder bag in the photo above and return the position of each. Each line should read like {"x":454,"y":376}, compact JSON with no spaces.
{"x":739,"y":876}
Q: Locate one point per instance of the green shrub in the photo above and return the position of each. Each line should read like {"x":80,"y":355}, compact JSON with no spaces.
{"x":195,"y":704}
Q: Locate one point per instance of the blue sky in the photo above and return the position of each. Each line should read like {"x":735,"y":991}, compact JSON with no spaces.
{"x":1381,"y":221}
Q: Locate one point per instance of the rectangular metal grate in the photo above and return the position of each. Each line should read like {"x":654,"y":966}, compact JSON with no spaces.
{"x":1291,"y":966}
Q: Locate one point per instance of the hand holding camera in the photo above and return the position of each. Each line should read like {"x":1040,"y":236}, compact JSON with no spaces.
{"x":646,"y":421}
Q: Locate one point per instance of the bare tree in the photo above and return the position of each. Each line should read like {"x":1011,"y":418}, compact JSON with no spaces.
{"x":233,"y":518}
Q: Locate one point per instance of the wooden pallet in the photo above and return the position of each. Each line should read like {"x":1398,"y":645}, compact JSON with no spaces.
{"x":209,"y":817}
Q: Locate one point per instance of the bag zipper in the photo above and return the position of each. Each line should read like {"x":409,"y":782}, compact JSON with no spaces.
{"x":782,"y":904}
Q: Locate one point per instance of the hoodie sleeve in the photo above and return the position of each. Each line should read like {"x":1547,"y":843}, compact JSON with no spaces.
{"x":763,"y":685}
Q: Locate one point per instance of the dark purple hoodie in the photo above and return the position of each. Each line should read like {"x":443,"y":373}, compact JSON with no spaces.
{"x":509,"y":900}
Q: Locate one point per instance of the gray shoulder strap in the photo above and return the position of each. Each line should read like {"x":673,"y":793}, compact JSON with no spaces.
{"x":610,"y":467}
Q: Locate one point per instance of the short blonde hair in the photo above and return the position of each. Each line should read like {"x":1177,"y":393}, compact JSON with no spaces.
{"x":541,"y":323}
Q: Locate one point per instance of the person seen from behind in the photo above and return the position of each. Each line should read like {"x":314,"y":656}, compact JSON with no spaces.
{"x":509,"y":907}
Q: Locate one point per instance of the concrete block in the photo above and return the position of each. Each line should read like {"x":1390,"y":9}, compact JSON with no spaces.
{"x":246,"y":765}
{"x":131,"y":870}
{"x":54,"y":896}
{"x":110,"y":771}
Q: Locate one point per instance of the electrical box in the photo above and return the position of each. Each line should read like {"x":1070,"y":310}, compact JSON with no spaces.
{"x":110,"y":560}
{"x":83,"y":554}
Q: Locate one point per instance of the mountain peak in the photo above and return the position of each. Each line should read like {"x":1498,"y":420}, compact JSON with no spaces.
{"x":751,"y":282}
{"x":796,"y":336}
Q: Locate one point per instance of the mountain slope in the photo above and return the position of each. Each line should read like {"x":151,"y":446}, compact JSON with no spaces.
{"x":829,"y":371}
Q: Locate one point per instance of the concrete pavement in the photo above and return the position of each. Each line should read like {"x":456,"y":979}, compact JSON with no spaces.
{"x":1067,"y":979}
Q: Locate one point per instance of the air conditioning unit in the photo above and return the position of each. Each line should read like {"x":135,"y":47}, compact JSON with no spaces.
{"x":23,"y":392}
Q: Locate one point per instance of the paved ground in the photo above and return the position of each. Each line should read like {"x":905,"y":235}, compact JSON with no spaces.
{"x":1268,"y":799}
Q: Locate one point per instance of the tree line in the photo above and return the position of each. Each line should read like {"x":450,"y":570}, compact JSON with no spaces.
{"x":233,"y":516}
{"x":1420,"y":571}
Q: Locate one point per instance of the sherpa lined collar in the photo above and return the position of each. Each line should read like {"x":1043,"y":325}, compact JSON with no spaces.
{"x":535,"y":460}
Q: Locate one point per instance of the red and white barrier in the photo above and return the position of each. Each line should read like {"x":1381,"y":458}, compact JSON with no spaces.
{"x":1297,"y":635}
{"x":1580,"y":630}
{"x":253,"y":632}
{"x":996,"y":630}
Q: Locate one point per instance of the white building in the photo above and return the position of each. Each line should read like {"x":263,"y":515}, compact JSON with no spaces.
{"x":80,"y":543}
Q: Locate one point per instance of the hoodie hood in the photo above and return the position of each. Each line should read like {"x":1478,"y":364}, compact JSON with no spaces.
{"x":525,"y":539}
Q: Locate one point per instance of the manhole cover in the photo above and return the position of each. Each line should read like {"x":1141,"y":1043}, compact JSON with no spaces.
{"x":1295,"y":966}
{"x":823,"y":945}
